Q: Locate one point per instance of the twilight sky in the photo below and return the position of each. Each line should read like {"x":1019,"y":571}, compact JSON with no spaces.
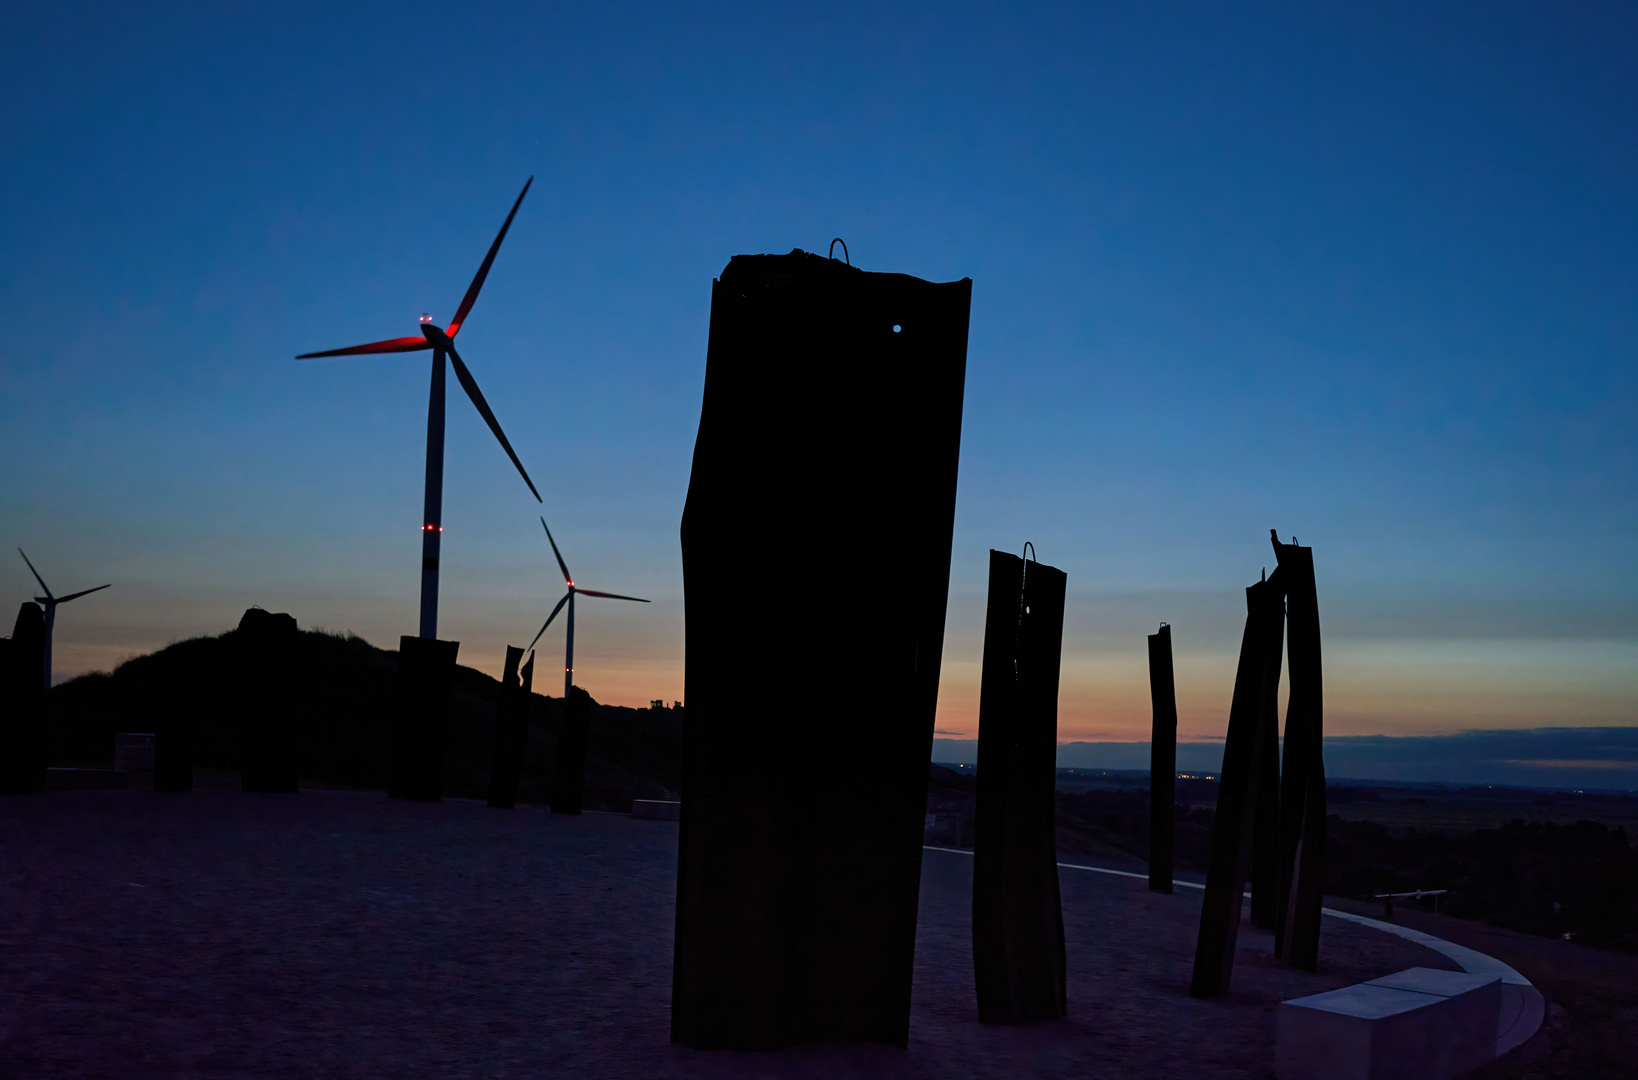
{"x":1367,"y":274}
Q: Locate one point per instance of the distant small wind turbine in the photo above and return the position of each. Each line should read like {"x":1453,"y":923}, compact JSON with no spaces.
{"x":568,"y":598}
{"x":442,"y":342}
{"x":50,"y":602}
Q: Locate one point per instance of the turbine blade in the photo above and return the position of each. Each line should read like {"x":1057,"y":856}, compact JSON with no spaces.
{"x":471,"y":296}
{"x":41,"y":580}
{"x":397,"y":344}
{"x":568,"y":579}
{"x":609,"y":595}
{"x":82,"y":592}
{"x":470,"y":385}
{"x":550,"y":617}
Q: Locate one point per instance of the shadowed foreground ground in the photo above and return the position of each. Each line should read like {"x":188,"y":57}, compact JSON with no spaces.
{"x":342,"y":934}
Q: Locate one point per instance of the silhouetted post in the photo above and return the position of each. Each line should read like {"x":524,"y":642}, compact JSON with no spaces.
{"x":1162,"y":760}
{"x":1302,"y":796}
{"x":832,"y":401}
{"x":426,"y":676}
{"x":1018,"y":923}
{"x":506,"y":767}
{"x":521,"y":733}
{"x":1265,"y":842}
{"x":173,"y":748}
{"x":270,"y":758}
{"x":23,"y":736}
{"x":1236,"y":804}
{"x":10,"y":753}
{"x":573,"y":737}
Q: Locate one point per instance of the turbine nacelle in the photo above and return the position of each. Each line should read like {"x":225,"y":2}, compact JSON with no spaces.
{"x":436,"y":335}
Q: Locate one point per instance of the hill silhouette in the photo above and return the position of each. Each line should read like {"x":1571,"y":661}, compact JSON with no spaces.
{"x":343,"y":698}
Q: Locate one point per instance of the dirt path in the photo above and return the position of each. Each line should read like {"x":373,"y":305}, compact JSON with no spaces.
{"x":342,"y":934}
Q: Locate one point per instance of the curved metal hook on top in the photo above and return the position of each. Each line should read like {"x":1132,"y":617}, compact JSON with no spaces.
{"x":1029,"y":549}
{"x":838,"y":240}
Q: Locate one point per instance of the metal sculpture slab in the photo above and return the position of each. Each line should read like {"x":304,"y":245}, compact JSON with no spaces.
{"x":1265,"y":840}
{"x":1162,"y":760}
{"x":1018,"y":922}
{"x":23,"y":747}
{"x":573,"y":740}
{"x":270,"y":758}
{"x":832,"y":407}
{"x":1236,"y":801}
{"x":511,"y":731}
{"x":173,"y":749}
{"x":1302,"y":794}
{"x":426,"y":676}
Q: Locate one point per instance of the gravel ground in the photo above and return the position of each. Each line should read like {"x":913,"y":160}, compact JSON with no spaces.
{"x":343,"y":934}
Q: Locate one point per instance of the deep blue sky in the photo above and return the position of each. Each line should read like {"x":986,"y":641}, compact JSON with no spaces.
{"x":1367,"y":274}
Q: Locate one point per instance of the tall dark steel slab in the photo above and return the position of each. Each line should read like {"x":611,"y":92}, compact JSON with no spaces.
{"x":573,"y":737}
{"x":23,"y":736}
{"x":511,"y":734}
{"x":1162,"y":760}
{"x":1018,"y":922}
{"x":266,"y":644}
{"x":1265,"y":841}
{"x":1236,"y":802}
{"x":173,"y":749}
{"x":426,"y":675}
{"x":1302,"y":795}
{"x":816,"y":558}
{"x":11,"y":761}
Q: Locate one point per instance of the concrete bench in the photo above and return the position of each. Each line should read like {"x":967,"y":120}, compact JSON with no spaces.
{"x":1419,"y":1024}
{"x":134,"y":751}
{"x":656,"y":809}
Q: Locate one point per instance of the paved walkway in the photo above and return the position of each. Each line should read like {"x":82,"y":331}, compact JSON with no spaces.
{"x":343,"y":934}
{"x":1522,"y":1007}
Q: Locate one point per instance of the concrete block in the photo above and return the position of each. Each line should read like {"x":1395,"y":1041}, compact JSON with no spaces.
{"x":133,"y":752}
{"x":656,"y":809}
{"x":1418,"y":1024}
{"x":86,"y":779}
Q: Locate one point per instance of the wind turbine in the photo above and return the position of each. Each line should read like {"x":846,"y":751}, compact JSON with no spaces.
{"x":50,"y":602}
{"x":568,"y":598}
{"x":442,"y":343}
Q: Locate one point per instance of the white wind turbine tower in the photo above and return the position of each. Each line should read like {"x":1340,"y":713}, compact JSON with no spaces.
{"x":50,"y":602}
{"x":568,"y":598}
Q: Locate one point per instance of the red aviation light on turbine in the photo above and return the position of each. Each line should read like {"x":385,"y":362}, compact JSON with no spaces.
{"x":425,"y":317}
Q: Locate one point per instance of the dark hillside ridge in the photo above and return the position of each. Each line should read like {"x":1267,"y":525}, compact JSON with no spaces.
{"x":343,"y":694}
